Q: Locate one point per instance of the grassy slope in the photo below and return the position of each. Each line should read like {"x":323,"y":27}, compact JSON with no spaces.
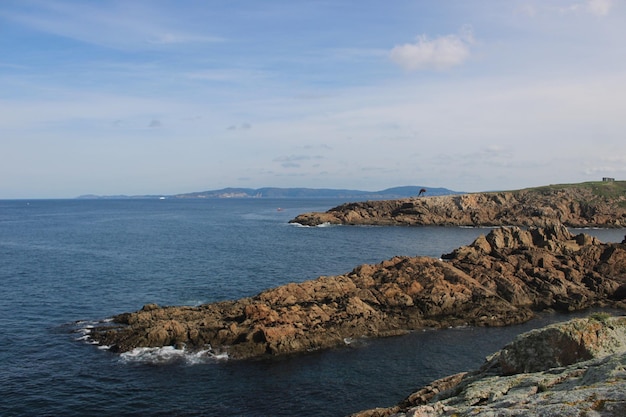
{"x":609,"y":189}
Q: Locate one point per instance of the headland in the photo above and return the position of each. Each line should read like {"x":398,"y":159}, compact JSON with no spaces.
{"x":592,"y":204}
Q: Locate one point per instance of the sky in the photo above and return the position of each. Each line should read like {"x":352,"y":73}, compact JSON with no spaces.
{"x":171,"y":96}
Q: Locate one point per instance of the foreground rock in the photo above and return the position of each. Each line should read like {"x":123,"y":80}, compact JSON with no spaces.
{"x":590,"y":205}
{"x":497,"y":280}
{"x":577,"y":368}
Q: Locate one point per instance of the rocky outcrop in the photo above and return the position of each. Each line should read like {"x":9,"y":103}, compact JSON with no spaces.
{"x":545,"y":267}
{"x":575,"y":368}
{"x":497,"y":280}
{"x":571,"y":206}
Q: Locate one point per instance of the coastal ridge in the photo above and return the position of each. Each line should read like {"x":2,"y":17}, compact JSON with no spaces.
{"x":592,"y":204}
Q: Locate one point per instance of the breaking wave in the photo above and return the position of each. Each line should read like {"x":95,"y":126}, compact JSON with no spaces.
{"x":325,"y":224}
{"x":151,"y":355}
{"x":169,"y":354}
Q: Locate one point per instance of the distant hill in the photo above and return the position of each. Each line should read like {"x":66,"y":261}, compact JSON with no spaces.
{"x":118,"y":197}
{"x":274,"y":192}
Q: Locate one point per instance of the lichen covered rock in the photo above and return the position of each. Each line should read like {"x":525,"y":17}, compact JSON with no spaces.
{"x":576,"y":368}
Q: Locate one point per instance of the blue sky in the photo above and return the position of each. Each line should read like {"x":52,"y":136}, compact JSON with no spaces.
{"x":164,"y":97}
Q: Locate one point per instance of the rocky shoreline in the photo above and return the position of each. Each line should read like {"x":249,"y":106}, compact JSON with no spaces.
{"x":600,"y":205}
{"x":499,"y":279}
{"x":576,"y":368}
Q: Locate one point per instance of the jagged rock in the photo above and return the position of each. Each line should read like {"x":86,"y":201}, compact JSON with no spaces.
{"x":576,"y":368}
{"x":497,"y":280}
{"x":572,"y":206}
{"x":544,"y":267}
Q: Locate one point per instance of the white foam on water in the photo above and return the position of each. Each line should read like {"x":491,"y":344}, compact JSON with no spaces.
{"x":325,"y":224}
{"x":154,"y":355}
{"x":194,"y":303}
{"x":169,"y":354}
{"x":85,"y":329}
{"x":355,"y":342}
{"x":298,"y":225}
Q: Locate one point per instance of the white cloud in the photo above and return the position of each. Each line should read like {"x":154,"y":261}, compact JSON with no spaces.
{"x":580,"y":7}
{"x":599,"y":7}
{"x":527,"y":10}
{"x":440,"y":53}
{"x":595,"y":7}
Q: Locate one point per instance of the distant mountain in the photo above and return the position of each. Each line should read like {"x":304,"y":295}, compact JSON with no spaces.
{"x":118,"y":197}
{"x":274,"y":192}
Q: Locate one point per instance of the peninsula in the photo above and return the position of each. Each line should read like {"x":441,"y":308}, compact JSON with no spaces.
{"x":499,"y":279}
{"x":591,"y":204}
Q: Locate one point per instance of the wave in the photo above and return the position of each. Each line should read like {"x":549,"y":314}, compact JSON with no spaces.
{"x":84,"y":327}
{"x":150,"y":355}
{"x":325,"y":224}
{"x":170,"y":354}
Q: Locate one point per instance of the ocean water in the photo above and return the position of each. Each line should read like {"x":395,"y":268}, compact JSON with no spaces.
{"x":65,"y":264}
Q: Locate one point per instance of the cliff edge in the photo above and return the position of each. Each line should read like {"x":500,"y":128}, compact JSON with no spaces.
{"x":594,"y":204}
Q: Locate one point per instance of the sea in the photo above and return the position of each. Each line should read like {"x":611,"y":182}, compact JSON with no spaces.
{"x":66,"y":265}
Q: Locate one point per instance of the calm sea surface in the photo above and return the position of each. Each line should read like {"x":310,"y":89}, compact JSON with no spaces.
{"x":65,"y":264}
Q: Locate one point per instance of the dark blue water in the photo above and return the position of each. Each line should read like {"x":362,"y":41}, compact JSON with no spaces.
{"x":84,"y":260}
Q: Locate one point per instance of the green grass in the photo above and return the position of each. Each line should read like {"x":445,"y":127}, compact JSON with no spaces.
{"x":601,"y":317}
{"x":608,"y":189}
